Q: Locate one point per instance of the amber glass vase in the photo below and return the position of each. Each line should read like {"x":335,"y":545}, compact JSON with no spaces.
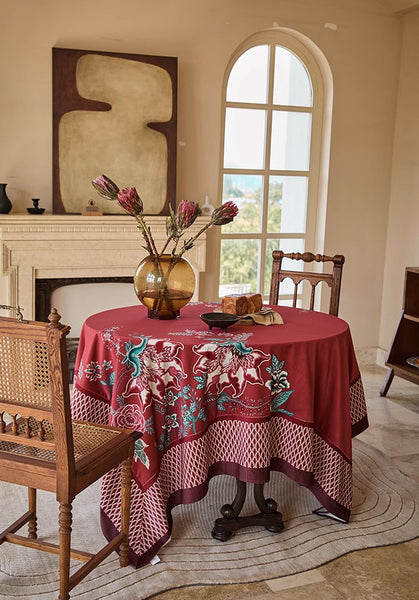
{"x":165,"y":285}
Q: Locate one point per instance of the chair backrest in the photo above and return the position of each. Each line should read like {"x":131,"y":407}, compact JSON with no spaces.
{"x":333,"y":279}
{"x":34,"y":391}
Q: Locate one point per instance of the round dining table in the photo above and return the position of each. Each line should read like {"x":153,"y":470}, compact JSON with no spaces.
{"x":243,"y":401}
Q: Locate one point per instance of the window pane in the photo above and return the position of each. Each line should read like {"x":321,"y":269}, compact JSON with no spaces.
{"x":244,"y":140}
{"x":246,"y":192}
{"x":287,"y":204}
{"x":248,"y":80}
{"x":292,"y":85}
{"x":238,"y":266}
{"x":287,"y":245}
{"x":290,"y":148}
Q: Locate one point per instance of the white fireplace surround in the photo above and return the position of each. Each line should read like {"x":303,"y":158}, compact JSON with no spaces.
{"x":61,"y":246}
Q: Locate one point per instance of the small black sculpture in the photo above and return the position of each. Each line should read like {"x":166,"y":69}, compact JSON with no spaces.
{"x":35,"y":210}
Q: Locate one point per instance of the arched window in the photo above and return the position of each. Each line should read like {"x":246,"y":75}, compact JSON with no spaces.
{"x":274,"y":155}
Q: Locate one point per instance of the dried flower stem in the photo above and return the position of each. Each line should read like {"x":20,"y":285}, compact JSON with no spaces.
{"x":145,"y":230}
{"x":176,"y":223}
{"x":188,"y":245}
{"x":165,"y":246}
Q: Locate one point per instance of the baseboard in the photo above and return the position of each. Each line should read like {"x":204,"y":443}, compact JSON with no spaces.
{"x":371,"y":356}
{"x":381,"y":357}
{"x":366,"y":356}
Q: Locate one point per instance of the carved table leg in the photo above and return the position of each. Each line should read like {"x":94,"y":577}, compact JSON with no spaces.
{"x":223,"y":528}
{"x":269,"y":517}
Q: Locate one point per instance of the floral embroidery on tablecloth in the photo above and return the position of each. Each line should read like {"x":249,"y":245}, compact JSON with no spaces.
{"x":228,"y":367}
{"x":140,"y":453}
{"x":209,"y":336}
{"x":128,"y":416}
{"x":192,"y":409}
{"x":279,"y":385}
{"x":153,"y":370}
{"x":103,"y":373}
{"x":153,"y":395}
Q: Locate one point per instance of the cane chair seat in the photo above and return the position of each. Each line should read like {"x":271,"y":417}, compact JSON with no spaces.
{"x":42,"y":448}
{"x":87,"y":438}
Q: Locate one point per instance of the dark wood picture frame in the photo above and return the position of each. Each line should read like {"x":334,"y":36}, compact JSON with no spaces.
{"x":66,"y":99}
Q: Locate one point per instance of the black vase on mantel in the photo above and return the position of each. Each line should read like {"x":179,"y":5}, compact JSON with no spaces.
{"x":5,"y":204}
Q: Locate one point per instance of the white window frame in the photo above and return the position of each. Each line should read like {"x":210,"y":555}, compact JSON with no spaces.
{"x":321,"y":110}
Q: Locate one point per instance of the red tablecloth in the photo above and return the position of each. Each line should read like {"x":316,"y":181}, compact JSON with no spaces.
{"x":243,"y":402}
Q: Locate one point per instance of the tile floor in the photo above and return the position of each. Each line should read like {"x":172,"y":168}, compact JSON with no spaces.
{"x":387,"y":573}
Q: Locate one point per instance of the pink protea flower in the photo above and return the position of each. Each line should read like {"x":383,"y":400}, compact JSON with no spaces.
{"x":106,"y":187}
{"x":176,"y":223}
{"x":224,"y":214}
{"x":130,"y":201}
{"x":186,"y":213}
{"x":180,"y":220}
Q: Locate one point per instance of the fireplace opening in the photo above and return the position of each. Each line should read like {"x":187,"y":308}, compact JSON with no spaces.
{"x":49,"y":293}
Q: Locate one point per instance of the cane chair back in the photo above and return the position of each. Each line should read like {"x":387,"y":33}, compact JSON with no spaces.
{"x":42,"y":448}
{"x":333,"y":279}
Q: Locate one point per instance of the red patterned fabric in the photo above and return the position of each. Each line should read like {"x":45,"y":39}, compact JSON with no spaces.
{"x":243,"y":402}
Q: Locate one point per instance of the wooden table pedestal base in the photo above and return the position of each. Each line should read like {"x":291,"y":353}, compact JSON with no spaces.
{"x":269,"y":517}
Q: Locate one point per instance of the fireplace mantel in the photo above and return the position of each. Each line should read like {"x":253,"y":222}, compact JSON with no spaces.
{"x":62,"y":246}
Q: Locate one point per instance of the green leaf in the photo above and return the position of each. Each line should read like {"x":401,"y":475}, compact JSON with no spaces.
{"x":280,"y":399}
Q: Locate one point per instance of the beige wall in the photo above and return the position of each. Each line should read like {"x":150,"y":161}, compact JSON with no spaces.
{"x":403,"y":224}
{"x":363,"y":54}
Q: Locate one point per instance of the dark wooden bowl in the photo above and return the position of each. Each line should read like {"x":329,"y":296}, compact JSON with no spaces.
{"x":221,"y":320}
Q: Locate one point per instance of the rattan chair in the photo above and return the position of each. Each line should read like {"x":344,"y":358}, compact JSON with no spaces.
{"x":333,"y":279}
{"x":42,"y":448}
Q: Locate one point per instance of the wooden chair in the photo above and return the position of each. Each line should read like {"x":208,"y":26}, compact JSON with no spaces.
{"x":42,"y":448}
{"x":333,"y":279}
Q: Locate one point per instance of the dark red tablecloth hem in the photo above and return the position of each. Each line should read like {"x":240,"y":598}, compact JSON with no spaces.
{"x":306,"y":479}
{"x":110,"y":531}
{"x":360,"y":426}
{"x":189,"y":496}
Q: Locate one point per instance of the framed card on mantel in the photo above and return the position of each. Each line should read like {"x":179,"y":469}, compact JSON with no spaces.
{"x":115,"y":114}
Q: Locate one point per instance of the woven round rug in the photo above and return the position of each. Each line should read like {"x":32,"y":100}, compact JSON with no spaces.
{"x":383,"y":513}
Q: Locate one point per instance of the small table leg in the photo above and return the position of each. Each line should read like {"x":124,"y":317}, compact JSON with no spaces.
{"x":387,"y":382}
{"x":269,"y":517}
